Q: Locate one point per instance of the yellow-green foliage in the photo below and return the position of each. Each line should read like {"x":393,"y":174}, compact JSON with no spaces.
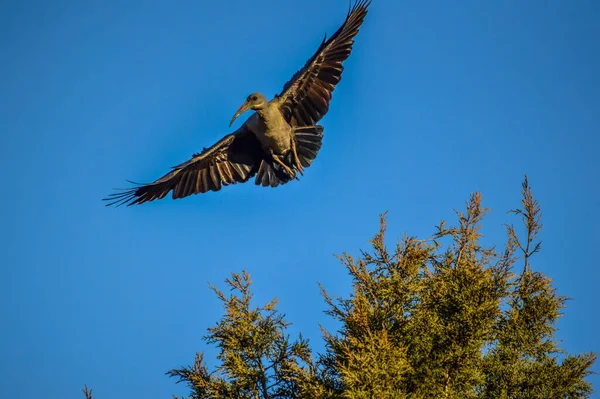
{"x":442,"y":317}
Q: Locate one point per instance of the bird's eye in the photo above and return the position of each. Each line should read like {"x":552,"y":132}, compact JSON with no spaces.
{"x":254,"y":98}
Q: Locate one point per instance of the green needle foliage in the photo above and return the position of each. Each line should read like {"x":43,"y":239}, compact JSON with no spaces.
{"x":458,"y":320}
{"x":442,"y":317}
{"x":257,"y":359}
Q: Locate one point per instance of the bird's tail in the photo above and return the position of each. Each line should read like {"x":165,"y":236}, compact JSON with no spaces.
{"x":308,"y":143}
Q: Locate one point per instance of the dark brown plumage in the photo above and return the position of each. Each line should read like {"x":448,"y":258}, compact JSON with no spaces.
{"x":305,"y":98}
{"x":280,"y":139}
{"x":234,"y":159}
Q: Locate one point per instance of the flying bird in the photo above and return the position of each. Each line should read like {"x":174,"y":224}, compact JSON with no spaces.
{"x":278,"y":141}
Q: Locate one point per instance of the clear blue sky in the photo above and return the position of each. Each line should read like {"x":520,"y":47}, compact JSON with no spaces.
{"x":439,"y":99}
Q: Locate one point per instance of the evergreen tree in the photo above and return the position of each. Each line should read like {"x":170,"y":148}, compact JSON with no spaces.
{"x":442,"y":317}
{"x":257,"y":359}
{"x":454,"y":321}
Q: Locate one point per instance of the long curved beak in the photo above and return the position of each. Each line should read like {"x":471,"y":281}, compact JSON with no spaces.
{"x":245,"y":107}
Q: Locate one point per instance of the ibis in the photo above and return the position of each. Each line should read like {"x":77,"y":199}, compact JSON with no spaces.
{"x":277,"y":142}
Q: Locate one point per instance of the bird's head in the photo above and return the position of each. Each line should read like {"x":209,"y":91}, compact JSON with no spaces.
{"x":255,"y":101}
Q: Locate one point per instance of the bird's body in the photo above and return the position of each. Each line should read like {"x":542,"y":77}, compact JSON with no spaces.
{"x":271,"y":129}
{"x":280,"y":139}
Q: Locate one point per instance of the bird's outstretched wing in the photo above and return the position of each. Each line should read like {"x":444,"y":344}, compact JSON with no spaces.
{"x":305,"y":98}
{"x":234,"y":159}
